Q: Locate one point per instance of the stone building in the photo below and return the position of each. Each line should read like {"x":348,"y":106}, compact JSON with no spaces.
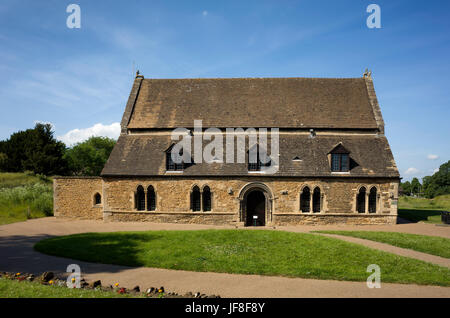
{"x":334,"y":164}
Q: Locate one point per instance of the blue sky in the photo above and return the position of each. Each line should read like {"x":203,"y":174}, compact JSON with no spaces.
{"x":79,"y":79}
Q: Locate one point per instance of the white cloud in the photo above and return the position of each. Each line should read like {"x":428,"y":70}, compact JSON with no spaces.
{"x":411,"y":171}
{"x":205,"y":13}
{"x":79,"y":135}
{"x":432,"y":157}
{"x":435,"y":170}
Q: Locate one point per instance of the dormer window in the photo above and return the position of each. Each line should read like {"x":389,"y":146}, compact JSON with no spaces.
{"x":339,"y":162}
{"x":171,"y":165}
{"x":256,"y":166}
{"x":340,"y":159}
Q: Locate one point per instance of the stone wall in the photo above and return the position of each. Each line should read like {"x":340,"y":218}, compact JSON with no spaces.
{"x":173,"y":217}
{"x":73,"y":197}
{"x":323,"y":219}
{"x":173,"y":200}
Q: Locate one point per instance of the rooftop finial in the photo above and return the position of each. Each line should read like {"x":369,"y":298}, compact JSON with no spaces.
{"x":138,"y":74}
{"x":367,"y":74}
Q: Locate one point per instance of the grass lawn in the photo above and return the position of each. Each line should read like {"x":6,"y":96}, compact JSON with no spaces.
{"x":422,"y":209}
{"x":15,"y":289}
{"x":439,"y":246}
{"x":24,"y":196}
{"x":261,"y":252}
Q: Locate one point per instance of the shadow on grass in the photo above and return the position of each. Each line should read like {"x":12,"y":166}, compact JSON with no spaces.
{"x":107,"y":248}
{"x":416,"y":215}
{"x":17,"y":252}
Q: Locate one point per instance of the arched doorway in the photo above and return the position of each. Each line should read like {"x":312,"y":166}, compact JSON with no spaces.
{"x":256,"y":209}
{"x":255,"y":204}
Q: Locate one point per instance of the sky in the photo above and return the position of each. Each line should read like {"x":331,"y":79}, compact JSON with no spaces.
{"x":79,"y":79}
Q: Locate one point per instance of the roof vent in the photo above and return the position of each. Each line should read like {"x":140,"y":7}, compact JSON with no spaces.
{"x":296,"y":158}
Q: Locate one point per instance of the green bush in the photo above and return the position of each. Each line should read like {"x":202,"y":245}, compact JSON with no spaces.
{"x":44,"y":203}
{"x":29,"y":200}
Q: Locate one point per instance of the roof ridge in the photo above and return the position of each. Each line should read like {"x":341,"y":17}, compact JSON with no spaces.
{"x":255,"y":78}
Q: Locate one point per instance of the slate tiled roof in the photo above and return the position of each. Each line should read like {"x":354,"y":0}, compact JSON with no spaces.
{"x":144,"y":155}
{"x":253,"y":102}
{"x":342,"y":111}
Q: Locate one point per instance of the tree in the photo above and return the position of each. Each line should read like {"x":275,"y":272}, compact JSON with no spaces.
{"x":35,"y":150}
{"x":438,"y":183}
{"x":415,"y":186}
{"x":406,"y":186}
{"x":88,"y":158}
{"x":44,"y":154}
{"x":3,"y":160}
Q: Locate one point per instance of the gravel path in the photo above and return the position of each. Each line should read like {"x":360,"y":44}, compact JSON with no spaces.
{"x":17,"y":255}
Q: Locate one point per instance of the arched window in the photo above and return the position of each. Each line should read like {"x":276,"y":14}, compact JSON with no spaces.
{"x":305,"y":199}
{"x":140,"y":199}
{"x":373,"y":200}
{"x":361,"y":200}
{"x":195,"y":199}
{"x":151,"y":199}
{"x":97,"y":199}
{"x":206,"y":196}
{"x":316,"y":200}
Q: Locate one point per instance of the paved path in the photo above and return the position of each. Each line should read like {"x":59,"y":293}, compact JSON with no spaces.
{"x":17,"y":255}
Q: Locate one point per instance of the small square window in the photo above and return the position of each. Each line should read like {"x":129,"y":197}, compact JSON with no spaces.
{"x":97,"y":199}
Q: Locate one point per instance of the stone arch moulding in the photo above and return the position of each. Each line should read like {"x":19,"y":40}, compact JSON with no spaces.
{"x":140,"y":198}
{"x":205,"y":189}
{"x":320,"y":200}
{"x":357,"y":199}
{"x":301,"y":200}
{"x":152,"y":202}
{"x":246,"y":190}
{"x":377,"y":197}
{"x":194,"y":207}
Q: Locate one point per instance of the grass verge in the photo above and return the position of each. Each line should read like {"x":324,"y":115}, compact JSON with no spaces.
{"x":17,"y":289}
{"x":24,"y":196}
{"x":260,"y":252}
{"x":439,"y":246}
